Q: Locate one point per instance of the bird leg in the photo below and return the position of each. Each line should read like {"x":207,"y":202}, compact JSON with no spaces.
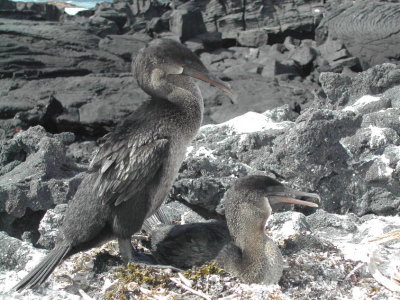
{"x":130,"y":255}
{"x":126,"y":249}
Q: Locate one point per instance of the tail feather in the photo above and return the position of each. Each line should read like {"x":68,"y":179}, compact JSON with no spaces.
{"x":27,"y":280}
{"x":43,"y":270}
{"x":162,"y":215}
{"x":159,"y":217}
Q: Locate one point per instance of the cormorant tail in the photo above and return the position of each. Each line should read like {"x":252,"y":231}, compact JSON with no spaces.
{"x":43,"y":270}
{"x":162,"y":215}
{"x":159,"y":217}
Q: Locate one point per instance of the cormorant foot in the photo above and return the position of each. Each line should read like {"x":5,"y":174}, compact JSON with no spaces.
{"x":143,"y":258}
{"x":130,"y":255}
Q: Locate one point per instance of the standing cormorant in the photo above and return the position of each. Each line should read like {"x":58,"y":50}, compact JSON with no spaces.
{"x":134,"y":169}
{"x":239,"y":245}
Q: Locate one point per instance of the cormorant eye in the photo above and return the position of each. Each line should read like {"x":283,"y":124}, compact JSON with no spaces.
{"x":188,"y":61}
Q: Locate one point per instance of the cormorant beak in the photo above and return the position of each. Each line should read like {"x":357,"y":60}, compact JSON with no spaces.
{"x":288,"y":195}
{"x":209,"y":78}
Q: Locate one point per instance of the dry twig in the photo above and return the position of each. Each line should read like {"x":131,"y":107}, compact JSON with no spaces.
{"x":180,"y":284}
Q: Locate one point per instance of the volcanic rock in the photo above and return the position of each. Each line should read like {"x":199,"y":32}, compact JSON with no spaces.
{"x":15,"y":254}
{"x":112,"y":15}
{"x":124,"y":45}
{"x":36,"y":174}
{"x":86,"y":105}
{"x":324,"y":149}
{"x":336,"y":57}
{"x":365,"y":33}
{"x":49,"y":50}
{"x":341,"y":89}
{"x":30,"y":11}
{"x":253,"y":38}
{"x":50,"y":224}
{"x":186,"y":22}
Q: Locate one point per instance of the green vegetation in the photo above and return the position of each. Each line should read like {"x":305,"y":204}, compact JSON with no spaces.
{"x":206,"y":269}
{"x":132,"y":277}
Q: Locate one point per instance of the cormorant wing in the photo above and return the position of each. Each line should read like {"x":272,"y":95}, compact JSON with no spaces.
{"x":125,"y":167}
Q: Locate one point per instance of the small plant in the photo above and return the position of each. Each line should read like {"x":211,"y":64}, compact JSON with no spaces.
{"x":206,"y":269}
{"x":133,"y":277}
{"x":142,"y":274}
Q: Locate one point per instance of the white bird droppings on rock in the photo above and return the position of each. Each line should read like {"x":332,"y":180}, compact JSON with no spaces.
{"x":364,"y":100}
{"x":248,"y":123}
{"x":251,"y":122}
{"x":378,"y":136}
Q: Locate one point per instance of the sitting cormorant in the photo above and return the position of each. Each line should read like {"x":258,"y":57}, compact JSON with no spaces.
{"x":239,"y":245}
{"x":188,"y":245}
{"x":251,"y":255}
{"x":134,"y":169}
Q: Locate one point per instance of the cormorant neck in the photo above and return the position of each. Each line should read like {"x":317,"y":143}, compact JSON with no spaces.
{"x":251,"y":241}
{"x":190,"y":103}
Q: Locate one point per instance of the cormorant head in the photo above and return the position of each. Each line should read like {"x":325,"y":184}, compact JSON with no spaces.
{"x":166,"y":67}
{"x":252,"y":199}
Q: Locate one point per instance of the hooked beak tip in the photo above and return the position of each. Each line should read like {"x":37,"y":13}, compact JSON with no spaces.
{"x":291,"y":200}
{"x":292,"y":197}
{"x":213,"y":80}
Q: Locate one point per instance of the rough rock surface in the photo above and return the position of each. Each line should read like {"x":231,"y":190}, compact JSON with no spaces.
{"x":35,"y":173}
{"x":15,"y":254}
{"x":353,"y":149}
{"x":84,"y":105}
{"x":343,"y":90}
{"x":49,"y":49}
{"x":50,"y":224}
{"x":363,"y":30}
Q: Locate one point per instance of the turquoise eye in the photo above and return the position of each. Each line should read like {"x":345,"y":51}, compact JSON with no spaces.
{"x":189,"y":62}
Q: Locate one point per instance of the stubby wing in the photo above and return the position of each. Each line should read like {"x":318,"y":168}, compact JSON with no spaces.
{"x":125,"y":168}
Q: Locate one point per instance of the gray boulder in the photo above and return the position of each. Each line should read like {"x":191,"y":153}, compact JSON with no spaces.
{"x":50,"y":224}
{"x":263,"y":79}
{"x":186,"y":22}
{"x":335,"y":57}
{"x":82,"y":152}
{"x":36,"y":174}
{"x":15,"y":254}
{"x":253,"y":38}
{"x":112,"y":15}
{"x":343,"y":90}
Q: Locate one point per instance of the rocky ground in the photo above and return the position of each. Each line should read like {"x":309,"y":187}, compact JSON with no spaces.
{"x":318,"y":108}
{"x":326,"y":256}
